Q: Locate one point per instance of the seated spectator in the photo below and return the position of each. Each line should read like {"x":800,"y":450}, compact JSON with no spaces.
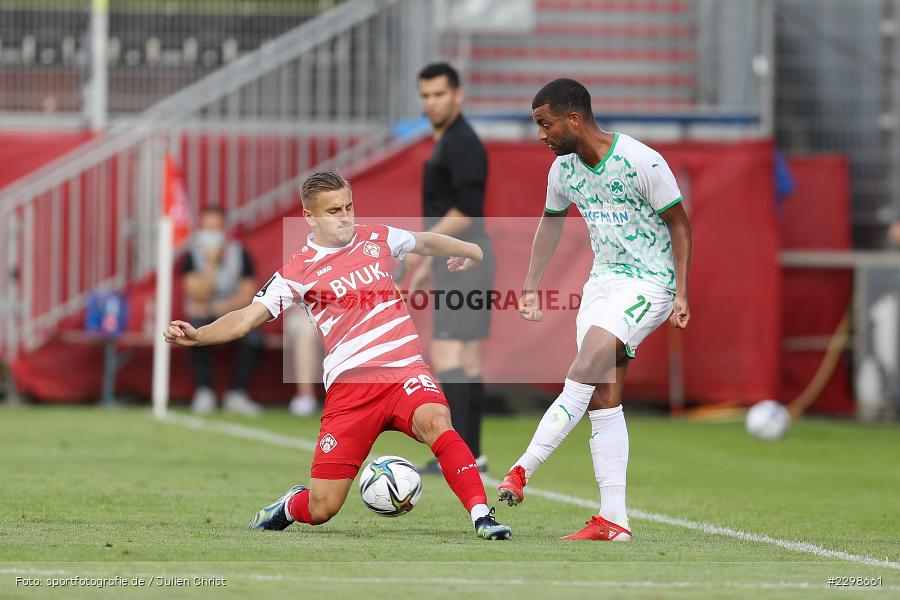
{"x":219,"y":277}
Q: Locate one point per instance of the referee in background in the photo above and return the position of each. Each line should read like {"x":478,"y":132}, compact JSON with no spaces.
{"x":453,"y":190}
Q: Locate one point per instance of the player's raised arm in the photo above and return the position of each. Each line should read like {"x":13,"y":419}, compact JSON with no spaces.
{"x":462,"y":255}
{"x":226,"y":328}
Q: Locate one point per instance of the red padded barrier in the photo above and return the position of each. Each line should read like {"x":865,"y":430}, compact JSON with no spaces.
{"x":816,"y":217}
{"x":731,"y":349}
{"x":21,"y":152}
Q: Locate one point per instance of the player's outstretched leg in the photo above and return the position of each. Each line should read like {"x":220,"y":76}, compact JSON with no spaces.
{"x":557,"y":422}
{"x":275,"y":516}
{"x":431,"y":425}
{"x":313,"y":505}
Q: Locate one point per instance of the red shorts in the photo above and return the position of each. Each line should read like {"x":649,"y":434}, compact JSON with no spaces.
{"x":357,"y":412}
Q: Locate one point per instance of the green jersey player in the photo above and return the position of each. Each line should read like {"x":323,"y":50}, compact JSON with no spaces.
{"x":641,"y":239}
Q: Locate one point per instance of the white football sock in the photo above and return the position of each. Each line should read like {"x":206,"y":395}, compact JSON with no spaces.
{"x":609,"y":451}
{"x":478,"y":511}
{"x":562,"y":416}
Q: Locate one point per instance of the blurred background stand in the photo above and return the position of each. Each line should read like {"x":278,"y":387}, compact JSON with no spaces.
{"x":875,"y":338}
{"x":8,"y":393}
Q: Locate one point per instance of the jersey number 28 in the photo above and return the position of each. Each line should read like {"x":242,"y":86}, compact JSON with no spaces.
{"x":414,"y":384}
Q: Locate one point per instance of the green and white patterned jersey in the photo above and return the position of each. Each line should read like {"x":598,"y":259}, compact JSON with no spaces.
{"x":621,"y":199}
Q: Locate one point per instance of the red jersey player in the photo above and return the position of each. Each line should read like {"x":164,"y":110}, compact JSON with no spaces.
{"x":375,"y":377}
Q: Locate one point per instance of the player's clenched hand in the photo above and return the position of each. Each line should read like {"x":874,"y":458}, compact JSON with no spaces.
{"x":681,"y":314}
{"x":181,"y":333}
{"x":529,"y":307}
{"x":457,"y":263}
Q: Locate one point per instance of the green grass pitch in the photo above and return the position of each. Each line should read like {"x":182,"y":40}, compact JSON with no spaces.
{"x":104,"y":493}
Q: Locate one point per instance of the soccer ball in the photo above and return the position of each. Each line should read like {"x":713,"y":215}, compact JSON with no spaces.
{"x":390,"y":486}
{"x":768,"y":420}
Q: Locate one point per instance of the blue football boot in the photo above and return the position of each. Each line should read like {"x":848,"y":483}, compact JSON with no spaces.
{"x":273,"y":516}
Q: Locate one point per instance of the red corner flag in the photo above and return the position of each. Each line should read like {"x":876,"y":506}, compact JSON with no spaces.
{"x":175,"y":202}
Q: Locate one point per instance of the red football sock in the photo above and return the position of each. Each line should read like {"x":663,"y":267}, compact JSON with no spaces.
{"x":459,"y":469}
{"x":298,"y":508}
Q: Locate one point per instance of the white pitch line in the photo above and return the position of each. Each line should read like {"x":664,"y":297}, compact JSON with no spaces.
{"x":711,"y":529}
{"x":364,"y":580}
{"x":242,"y":431}
{"x":261,"y":435}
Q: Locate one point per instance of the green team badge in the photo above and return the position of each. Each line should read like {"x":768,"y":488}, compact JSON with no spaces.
{"x":617,"y":188}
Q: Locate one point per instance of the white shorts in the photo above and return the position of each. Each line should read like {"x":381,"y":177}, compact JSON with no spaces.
{"x":630,"y":309}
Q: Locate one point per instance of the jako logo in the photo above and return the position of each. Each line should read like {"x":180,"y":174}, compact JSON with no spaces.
{"x":327,"y":443}
{"x":472,"y":466}
{"x":324,"y":270}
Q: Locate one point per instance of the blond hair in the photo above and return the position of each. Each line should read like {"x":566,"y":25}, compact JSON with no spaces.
{"x":323,"y":181}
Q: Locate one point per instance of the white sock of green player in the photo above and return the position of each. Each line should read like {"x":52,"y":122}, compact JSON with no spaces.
{"x":609,"y":451}
{"x":556,"y":424}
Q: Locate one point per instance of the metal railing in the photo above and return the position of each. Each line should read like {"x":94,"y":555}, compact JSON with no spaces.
{"x":150,"y":49}
{"x":322,"y":94}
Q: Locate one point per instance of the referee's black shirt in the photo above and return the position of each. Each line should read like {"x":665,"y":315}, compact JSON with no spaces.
{"x":455,"y":177}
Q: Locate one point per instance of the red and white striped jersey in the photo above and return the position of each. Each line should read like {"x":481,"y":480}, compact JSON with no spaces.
{"x":349,"y":294}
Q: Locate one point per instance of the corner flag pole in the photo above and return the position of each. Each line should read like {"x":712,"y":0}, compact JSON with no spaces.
{"x":161,"y":350}
{"x":174,"y":229}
